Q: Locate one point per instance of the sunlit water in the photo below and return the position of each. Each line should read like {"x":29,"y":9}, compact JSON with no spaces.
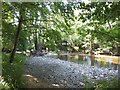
{"x":110,"y":62}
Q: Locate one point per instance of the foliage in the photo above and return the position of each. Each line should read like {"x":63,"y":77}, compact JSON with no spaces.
{"x":104,"y":84}
{"x":12,"y":73}
{"x":81,"y":24}
{"x":49,"y":23}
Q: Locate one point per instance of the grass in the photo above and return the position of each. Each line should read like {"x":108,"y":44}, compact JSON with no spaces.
{"x":12,"y":73}
{"x":112,"y":83}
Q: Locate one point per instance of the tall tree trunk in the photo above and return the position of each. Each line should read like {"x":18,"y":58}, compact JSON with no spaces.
{"x":16,"y":37}
{"x":36,"y":43}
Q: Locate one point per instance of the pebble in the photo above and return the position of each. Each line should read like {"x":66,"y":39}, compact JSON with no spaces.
{"x":52,"y":70}
{"x":101,"y":75}
{"x":82,"y":84}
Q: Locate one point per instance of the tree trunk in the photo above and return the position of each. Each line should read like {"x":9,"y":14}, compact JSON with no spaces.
{"x":36,"y":43}
{"x":109,"y":25}
{"x":119,"y":68}
{"x":91,"y":46}
{"x":16,"y":38}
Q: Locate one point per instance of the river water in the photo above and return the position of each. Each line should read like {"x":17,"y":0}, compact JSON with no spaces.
{"x":110,"y":62}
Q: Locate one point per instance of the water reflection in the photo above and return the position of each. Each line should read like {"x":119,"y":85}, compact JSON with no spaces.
{"x":107,"y":62}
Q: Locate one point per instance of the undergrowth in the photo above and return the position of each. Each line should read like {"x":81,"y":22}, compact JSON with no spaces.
{"x":12,"y":73}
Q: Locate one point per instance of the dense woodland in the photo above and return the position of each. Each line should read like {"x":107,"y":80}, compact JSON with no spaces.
{"x":40,"y":27}
{"x":89,"y":27}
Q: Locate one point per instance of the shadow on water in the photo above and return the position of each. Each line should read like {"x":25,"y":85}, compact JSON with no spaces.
{"x":98,"y":61}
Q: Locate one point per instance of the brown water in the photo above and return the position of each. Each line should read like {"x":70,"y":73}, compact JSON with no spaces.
{"x":110,"y":62}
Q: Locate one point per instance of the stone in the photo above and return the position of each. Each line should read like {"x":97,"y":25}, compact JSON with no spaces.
{"x":82,"y":84}
{"x":101,"y":75}
{"x":55,"y":70}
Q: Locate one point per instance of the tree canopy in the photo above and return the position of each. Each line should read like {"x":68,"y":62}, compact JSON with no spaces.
{"x":92,"y":26}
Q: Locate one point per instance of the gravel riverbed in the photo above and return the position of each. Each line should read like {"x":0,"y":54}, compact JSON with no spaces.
{"x":65,"y":73}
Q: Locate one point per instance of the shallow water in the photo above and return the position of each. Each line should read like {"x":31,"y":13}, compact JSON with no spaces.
{"x":110,"y":62}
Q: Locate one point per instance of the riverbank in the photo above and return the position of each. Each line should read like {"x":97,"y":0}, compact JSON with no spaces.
{"x":61,"y":73}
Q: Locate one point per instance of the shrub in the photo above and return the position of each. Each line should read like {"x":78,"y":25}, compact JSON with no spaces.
{"x":12,"y":73}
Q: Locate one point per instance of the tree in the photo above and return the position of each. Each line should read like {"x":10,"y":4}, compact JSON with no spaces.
{"x":49,"y":23}
{"x":19,"y":28}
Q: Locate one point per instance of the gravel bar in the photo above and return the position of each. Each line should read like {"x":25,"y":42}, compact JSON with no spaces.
{"x":65,"y":73}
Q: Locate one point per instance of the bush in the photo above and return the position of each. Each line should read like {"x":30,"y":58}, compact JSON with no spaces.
{"x":12,"y":73}
{"x":3,"y":84}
